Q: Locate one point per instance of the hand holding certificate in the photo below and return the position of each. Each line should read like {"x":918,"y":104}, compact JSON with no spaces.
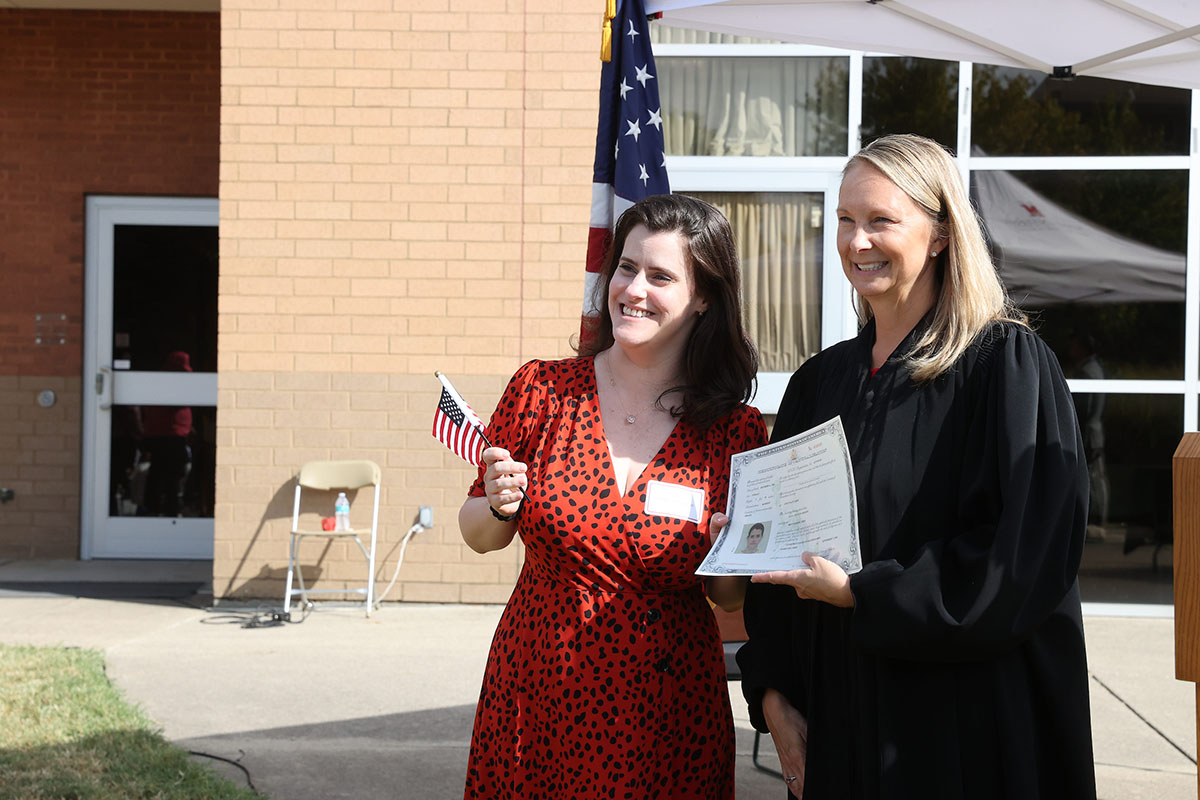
{"x":786,"y":499}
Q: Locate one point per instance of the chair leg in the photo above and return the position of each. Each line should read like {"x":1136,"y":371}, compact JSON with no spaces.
{"x":300,"y":571}
{"x":371,"y":582}
{"x":754,"y":758}
{"x":287,"y":593}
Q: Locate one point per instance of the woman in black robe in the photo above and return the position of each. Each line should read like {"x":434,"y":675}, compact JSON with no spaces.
{"x":952,"y":665}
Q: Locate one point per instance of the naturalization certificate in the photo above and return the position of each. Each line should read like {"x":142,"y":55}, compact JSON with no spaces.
{"x":788,"y":498}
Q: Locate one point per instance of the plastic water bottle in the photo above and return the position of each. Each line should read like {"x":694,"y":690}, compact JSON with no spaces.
{"x":341,"y":512}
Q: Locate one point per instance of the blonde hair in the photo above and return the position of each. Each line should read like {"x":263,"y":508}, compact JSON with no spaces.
{"x":970,"y":296}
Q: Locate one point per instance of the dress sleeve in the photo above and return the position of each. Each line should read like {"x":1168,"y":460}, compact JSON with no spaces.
{"x":983,"y":587}
{"x":515,"y":418}
{"x":774,"y":621}
{"x":742,"y":430}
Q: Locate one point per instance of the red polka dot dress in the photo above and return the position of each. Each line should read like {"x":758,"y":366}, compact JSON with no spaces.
{"x":605,"y":678}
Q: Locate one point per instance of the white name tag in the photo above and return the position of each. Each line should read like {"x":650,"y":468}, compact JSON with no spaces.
{"x":673,"y":500}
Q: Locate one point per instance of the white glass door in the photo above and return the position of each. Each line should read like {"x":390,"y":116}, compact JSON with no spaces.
{"x":150,"y":378}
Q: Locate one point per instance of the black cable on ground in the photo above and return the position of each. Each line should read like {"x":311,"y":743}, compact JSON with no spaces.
{"x":259,"y":617}
{"x":238,"y":764}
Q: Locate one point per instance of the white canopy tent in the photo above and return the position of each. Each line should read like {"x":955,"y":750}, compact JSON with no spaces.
{"x":1048,"y":255}
{"x":1144,"y":41}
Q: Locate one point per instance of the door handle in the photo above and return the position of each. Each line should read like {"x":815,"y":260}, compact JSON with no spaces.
{"x":104,"y":379}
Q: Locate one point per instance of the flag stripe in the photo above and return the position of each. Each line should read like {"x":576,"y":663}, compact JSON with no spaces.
{"x":598,"y":241}
{"x":602,"y":197}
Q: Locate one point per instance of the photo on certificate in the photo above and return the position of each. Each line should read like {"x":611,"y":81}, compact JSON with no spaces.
{"x":786,"y":499}
{"x":754,"y":538}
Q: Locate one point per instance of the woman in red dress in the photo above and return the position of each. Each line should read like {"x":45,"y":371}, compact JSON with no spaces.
{"x":606,"y":677}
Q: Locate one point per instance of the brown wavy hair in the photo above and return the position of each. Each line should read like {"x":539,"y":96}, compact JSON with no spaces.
{"x":719,"y":360}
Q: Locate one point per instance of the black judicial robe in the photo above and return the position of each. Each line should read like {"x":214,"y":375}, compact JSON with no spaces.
{"x":960,"y":672}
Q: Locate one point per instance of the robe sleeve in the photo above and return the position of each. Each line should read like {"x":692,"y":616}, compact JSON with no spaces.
{"x":774,"y":623}
{"x":980,"y":589}
{"x":515,"y":418}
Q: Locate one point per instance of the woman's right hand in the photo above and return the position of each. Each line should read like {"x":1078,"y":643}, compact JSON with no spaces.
{"x":789,"y":732}
{"x":504,"y":480}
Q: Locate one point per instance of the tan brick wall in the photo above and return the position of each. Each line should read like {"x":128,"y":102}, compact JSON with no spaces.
{"x":404,"y":188}
{"x":39,"y":462}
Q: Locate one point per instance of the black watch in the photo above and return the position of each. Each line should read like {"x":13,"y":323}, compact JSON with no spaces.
{"x":503,"y":517}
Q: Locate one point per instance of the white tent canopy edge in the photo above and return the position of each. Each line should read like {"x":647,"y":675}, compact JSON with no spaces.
{"x":1142,"y":41}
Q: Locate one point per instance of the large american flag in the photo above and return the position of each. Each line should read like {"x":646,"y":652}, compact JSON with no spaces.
{"x":457,"y":426}
{"x":630,"y":157}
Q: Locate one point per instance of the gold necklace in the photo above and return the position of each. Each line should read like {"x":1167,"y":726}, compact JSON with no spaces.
{"x":630,"y":419}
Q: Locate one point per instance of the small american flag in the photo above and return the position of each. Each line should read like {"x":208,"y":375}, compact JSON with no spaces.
{"x":630,"y":162}
{"x":457,"y":426}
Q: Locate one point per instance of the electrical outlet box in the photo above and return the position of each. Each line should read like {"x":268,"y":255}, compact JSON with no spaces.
{"x":425,"y":516}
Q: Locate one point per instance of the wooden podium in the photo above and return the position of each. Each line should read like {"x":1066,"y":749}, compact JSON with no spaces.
{"x":1185,"y":470}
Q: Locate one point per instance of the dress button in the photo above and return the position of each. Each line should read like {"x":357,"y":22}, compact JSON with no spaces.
{"x":653,"y":615}
{"x":663,"y":664}
{"x":870,"y":395}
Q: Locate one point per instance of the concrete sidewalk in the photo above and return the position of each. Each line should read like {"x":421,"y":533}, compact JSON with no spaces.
{"x":339,"y":706}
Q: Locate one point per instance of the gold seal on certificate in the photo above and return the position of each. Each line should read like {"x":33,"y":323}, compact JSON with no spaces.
{"x":788,"y":498}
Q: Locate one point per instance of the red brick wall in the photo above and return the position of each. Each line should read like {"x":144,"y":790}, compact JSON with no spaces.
{"x":91,"y":102}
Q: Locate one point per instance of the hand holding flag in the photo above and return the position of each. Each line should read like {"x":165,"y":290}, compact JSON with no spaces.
{"x":459,"y":428}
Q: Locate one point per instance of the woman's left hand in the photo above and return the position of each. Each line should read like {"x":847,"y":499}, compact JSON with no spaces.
{"x":824,"y":581}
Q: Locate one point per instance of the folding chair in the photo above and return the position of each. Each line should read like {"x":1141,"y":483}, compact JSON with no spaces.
{"x":326,"y":476}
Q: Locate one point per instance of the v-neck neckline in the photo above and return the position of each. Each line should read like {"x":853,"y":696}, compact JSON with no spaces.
{"x":610,"y":462}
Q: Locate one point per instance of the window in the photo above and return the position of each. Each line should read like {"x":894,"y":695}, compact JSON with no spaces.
{"x":753,"y":106}
{"x":910,"y":95}
{"x":1097,"y":258}
{"x":1086,"y":190}
{"x":1024,"y":112}
{"x":779,"y":236}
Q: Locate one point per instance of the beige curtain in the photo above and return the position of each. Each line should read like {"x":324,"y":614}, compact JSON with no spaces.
{"x":717,"y":106}
{"x":665,"y":34}
{"x":778,"y":236}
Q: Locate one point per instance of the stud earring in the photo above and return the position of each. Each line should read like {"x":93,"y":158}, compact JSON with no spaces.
{"x":933,"y":254}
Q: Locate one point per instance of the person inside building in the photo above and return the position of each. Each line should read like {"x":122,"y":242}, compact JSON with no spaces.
{"x":952,"y":665}
{"x":606,"y":675}
{"x":1089,"y":408}
{"x":166,"y":431}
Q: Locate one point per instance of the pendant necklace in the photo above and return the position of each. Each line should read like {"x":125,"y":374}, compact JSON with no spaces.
{"x":630,"y":419}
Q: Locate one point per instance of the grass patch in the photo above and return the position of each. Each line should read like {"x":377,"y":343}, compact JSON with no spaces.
{"x":66,"y":734}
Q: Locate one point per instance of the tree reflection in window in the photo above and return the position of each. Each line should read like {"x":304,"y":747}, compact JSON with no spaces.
{"x":1027,"y":113}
